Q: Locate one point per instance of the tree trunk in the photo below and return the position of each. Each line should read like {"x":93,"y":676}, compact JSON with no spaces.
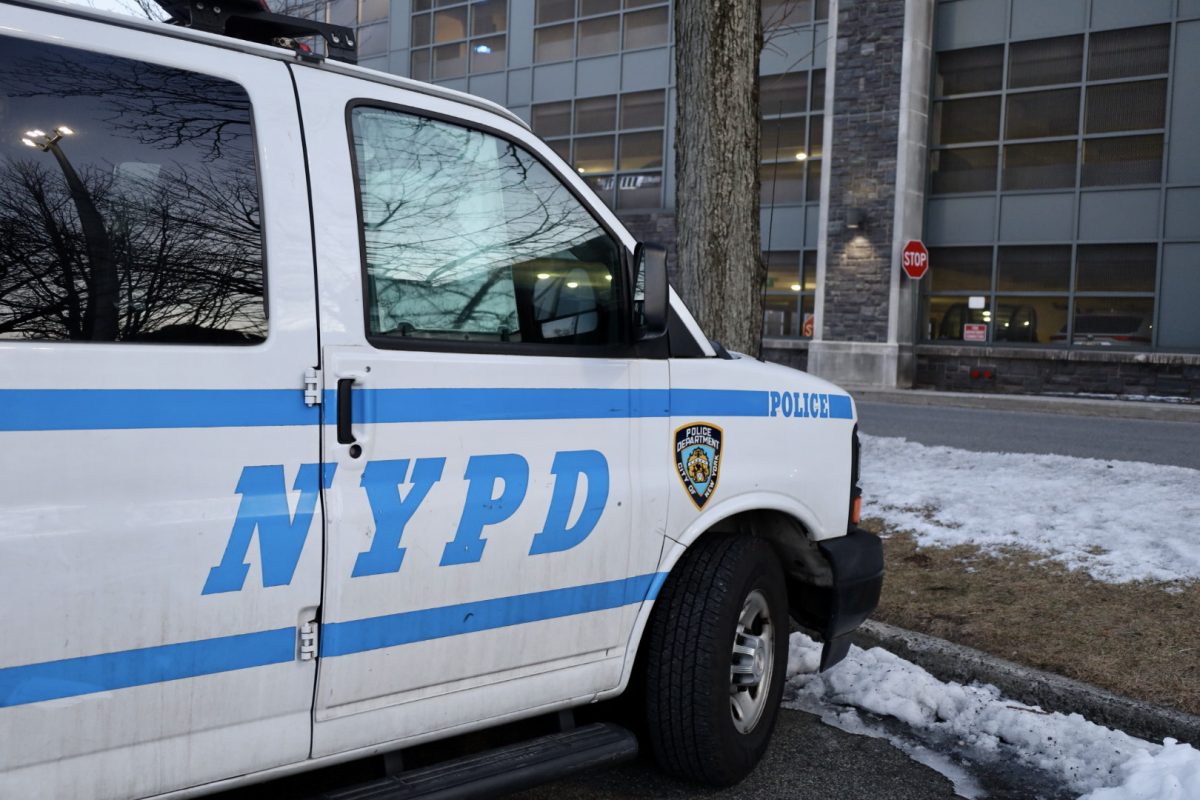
{"x":717,"y":44}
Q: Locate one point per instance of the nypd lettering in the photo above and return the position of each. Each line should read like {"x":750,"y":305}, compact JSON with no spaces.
{"x":810,"y":405}
{"x":395,"y":489}
{"x":698,"y":459}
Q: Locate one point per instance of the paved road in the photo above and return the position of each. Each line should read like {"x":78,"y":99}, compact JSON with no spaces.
{"x":985,"y":430}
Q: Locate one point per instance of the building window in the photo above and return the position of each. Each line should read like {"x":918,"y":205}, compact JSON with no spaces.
{"x":788,"y":294}
{"x":615,"y":142}
{"x":1086,"y":295}
{"x":368,"y":17}
{"x":457,"y":38}
{"x":790,"y":13}
{"x":565,"y":29}
{"x":1066,"y":123}
{"x":791,"y":137}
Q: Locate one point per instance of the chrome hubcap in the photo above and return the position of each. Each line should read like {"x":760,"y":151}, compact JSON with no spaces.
{"x":752,"y":662}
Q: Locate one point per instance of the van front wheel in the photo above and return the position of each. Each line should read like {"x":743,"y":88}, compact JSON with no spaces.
{"x":715,"y":660}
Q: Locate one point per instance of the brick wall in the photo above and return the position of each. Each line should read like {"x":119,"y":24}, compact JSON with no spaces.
{"x":862,"y":165}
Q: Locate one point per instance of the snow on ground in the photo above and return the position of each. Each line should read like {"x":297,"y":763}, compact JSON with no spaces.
{"x":1120,"y":521}
{"x":1100,"y":763}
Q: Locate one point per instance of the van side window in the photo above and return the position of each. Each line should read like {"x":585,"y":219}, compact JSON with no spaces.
{"x":469,"y":238}
{"x":129,"y":207}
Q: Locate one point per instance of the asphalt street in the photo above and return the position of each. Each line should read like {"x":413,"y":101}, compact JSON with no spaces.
{"x":985,"y":430}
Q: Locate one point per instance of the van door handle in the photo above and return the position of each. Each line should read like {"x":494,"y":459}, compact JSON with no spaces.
{"x":345,"y":411}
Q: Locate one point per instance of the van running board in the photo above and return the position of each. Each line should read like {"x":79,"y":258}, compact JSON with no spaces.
{"x":505,"y":769}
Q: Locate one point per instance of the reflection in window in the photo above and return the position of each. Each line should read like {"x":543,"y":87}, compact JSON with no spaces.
{"x":788,"y":294}
{"x":467,"y":37}
{"x":468,"y":238}
{"x":131,"y":208}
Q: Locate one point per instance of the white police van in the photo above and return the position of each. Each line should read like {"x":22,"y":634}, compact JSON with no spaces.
{"x":330,"y":425}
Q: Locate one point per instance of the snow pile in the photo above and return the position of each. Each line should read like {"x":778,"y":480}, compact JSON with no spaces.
{"x":1120,"y":521}
{"x":982,"y":723}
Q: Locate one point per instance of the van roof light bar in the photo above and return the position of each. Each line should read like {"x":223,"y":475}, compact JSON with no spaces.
{"x":253,"y":21}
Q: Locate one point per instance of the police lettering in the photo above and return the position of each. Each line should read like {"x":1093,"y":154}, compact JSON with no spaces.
{"x":800,"y":405}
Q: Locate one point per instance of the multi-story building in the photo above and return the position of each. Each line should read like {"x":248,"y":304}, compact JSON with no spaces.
{"x":1045,"y":150}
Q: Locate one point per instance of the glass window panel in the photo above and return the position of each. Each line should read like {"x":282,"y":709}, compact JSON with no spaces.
{"x":1033,"y":115}
{"x":639,"y":191}
{"x":450,"y":60}
{"x":420,"y":65}
{"x":596,"y":114}
{"x":490,"y":16}
{"x":781,"y":316}
{"x":960,"y":269}
{"x":487,"y":244}
{"x":488,"y":55}
{"x":1129,"y":52}
{"x":589,"y":7}
{"x":1034,"y":269}
{"x":1113,"y":322}
{"x":562,"y":147}
{"x":552,"y":119}
{"x":1116,"y":268}
{"x":554,"y":10}
{"x":812,"y":191}
{"x":450,"y":25}
{"x":343,"y":12}
{"x":970,"y":169}
{"x":554,"y":43}
{"x":1046,"y":165}
{"x":1045,"y":61}
{"x":778,"y":13}
{"x":1028,"y":320}
{"x":594,"y":153}
{"x":816,"y":135}
{"x":421,"y":30}
{"x":978,"y":69}
{"x":640,"y":3}
{"x":599,"y":37}
{"x":782,"y":139}
{"x":976,"y":119}
{"x":1126,"y":106}
{"x":818,"y":90}
{"x":605,"y":186}
{"x":810,"y":270}
{"x":782,"y":182}
{"x":373,"y":10}
{"x":646,"y":28}
{"x":822,"y":10}
{"x":643,"y":109}
{"x":1124,"y":160}
{"x":946,"y":316}
{"x":440,"y":3}
{"x":422,"y":5}
{"x":783,"y":271}
{"x":641,"y":150}
{"x":783,"y":94}
{"x":373,"y":39}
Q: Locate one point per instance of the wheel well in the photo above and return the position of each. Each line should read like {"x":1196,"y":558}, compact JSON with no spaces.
{"x":804,"y":567}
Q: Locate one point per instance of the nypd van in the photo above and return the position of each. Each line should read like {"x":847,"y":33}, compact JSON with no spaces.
{"x":338,"y":417}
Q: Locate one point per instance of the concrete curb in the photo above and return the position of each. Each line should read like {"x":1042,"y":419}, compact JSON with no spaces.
{"x":952,"y":662}
{"x":1117,"y":409}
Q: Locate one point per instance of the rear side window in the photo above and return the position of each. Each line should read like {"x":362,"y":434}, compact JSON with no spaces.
{"x":468,"y":238}
{"x":129,"y":208}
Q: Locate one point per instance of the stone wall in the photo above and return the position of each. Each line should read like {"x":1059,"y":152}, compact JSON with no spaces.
{"x":1018,"y":371}
{"x":862,"y":165}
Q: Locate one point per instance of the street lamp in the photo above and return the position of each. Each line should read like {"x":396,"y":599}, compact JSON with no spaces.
{"x":100,"y":321}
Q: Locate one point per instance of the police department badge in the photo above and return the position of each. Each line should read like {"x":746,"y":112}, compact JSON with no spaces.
{"x":698,"y":459}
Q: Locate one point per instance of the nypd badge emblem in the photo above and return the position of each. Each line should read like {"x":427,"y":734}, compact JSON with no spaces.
{"x":698,"y":459}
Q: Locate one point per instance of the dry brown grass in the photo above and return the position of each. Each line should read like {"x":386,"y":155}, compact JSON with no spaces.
{"x":1137,"y":640}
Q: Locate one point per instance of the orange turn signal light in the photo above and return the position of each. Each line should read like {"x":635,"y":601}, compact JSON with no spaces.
{"x":856,"y":510}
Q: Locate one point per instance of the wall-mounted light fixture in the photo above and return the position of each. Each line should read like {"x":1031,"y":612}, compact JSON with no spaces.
{"x":856,"y":218}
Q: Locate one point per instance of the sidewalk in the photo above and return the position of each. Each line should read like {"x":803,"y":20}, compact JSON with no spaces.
{"x":1045,"y":404}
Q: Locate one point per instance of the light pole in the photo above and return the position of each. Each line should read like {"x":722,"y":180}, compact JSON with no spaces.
{"x":100,"y":315}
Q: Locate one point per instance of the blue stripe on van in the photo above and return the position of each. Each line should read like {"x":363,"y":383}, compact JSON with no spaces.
{"x":51,"y":680}
{"x":391,"y":630}
{"x":120,"y":409}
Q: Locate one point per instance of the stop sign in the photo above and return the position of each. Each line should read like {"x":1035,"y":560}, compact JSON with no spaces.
{"x":915,"y":260}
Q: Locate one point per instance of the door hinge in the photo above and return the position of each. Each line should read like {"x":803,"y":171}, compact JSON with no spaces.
{"x":308,"y":641}
{"x":312,"y":387}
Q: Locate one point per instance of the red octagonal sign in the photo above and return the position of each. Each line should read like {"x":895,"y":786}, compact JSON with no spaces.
{"x":915,"y":260}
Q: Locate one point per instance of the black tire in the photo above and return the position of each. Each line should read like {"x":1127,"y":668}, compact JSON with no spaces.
{"x":689,"y":641}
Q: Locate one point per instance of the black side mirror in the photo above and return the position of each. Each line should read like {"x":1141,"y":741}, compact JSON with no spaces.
{"x":650,"y":292}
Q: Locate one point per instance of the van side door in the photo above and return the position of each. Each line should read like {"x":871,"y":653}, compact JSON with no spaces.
{"x":161,"y":470}
{"x":488,"y":545}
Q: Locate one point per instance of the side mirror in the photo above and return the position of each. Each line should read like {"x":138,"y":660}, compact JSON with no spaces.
{"x":650,"y":292}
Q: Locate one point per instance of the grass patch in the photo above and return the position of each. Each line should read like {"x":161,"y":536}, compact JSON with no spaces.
{"x":1136,"y":639}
